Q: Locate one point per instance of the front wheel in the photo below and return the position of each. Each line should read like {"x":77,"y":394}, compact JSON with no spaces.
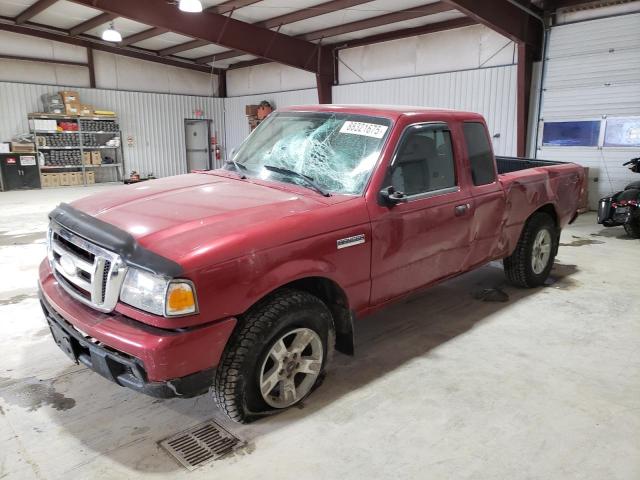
{"x":531,"y":262}
{"x":275,"y":357}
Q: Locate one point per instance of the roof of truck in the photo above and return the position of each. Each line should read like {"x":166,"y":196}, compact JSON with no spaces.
{"x":389,"y":111}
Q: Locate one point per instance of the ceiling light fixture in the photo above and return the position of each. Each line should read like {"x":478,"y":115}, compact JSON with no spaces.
{"x":111,"y":34}
{"x":191,"y":6}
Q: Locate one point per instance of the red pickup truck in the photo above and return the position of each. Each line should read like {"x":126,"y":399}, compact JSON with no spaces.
{"x":244,"y":279}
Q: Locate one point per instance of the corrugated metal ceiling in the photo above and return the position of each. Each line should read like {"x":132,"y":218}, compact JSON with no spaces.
{"x":65,"y":14}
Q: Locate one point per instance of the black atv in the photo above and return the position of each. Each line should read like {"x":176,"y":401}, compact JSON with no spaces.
{"x":623,"y":208}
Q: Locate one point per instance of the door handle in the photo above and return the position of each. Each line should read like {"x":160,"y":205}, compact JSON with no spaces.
{"x":462,"y":209}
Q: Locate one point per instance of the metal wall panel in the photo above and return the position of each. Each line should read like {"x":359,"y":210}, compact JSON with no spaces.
{"x":155,"y":121}
{"x":593,"y":72}
{"x":237,"y":127}
{"x":489,"y":91}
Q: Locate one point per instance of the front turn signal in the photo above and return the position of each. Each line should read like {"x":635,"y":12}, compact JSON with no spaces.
{"x":181,"y":299}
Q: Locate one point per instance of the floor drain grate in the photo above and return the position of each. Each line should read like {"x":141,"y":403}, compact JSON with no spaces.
{"x":200,"y":444}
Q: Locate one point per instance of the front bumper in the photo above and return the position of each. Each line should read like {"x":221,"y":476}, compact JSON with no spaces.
{"x":158,"y":362}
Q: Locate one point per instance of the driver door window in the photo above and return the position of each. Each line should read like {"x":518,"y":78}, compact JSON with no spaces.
{"x":424,"y":162}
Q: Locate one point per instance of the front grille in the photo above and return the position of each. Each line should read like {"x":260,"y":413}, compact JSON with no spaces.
{"x":88,"y":272}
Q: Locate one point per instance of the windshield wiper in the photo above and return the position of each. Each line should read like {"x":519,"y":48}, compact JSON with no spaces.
{"x":308,"y":180}
{"x":238,"y":167}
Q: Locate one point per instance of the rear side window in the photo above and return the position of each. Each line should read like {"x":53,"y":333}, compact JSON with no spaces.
{"x":480,"y":156}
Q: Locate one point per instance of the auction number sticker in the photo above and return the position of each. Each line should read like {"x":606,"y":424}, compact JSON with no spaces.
{"x":366,"y":129}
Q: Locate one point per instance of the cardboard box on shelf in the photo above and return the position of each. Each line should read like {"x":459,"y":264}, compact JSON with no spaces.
{"x":72,"y":108}
{"x":251,"y":110}
{"x":65,"y":179}
{"x":5,"y":147}
{"x":90,"y":177}
{"x":54,"y":109}
{"x":86,"y":158}
{"x":96,"y":157}
{"x":50,"y":180}
{"x":51,"y":99}
{"x":41,"y":124}
{"x":69,"y":96}
{"x":86,"y":110}
{"x":26,"y":147}
{"x":75,"y":178}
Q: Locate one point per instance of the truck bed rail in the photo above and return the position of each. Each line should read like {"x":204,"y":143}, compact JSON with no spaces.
{"x":514,"y":164}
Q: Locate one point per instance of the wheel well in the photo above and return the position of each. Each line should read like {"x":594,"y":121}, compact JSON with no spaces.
{"x":550,"y":210}
{"x":336,"y":300}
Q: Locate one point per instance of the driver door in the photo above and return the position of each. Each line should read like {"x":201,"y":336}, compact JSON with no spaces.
{"x":427,"y":237}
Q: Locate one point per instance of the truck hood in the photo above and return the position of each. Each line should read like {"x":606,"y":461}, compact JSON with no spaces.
{"x":190,"y":215}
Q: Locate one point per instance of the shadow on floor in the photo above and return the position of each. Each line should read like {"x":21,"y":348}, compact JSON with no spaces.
{"x":126,"y":426}
{"x":613,"y":232}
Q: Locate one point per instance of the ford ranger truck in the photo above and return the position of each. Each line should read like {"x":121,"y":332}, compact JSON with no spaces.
{"x":245,"y":279}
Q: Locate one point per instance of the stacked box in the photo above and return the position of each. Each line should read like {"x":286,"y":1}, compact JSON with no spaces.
{"x":50,"y":180}
{"x":25,"y":147}
{"x":65,"y":179}
{"x":72,"y":109}
{"x":52,"y":103}
{"x":86,"y":158}
{"x":96,"y":158}
{"x":69,"y":96}
{"x":90,"y":177}
{"x":75,"y":178}
{"x":86,"y":110}
{"x":42,"y":124}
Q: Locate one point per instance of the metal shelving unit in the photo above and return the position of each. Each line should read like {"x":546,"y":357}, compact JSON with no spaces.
{"x":104,"y":135}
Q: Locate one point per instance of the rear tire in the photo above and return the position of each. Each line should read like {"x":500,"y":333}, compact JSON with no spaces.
{"x":532,"y":260}
{"x":633,"y":227}
{"x":275,"y":357}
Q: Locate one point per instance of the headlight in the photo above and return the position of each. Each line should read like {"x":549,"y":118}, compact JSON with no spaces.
{"x":158,"y":295}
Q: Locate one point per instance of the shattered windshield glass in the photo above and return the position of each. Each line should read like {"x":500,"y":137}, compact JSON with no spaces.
{"x":335,"y":152}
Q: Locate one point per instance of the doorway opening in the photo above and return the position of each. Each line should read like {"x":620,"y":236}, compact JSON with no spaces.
{"x":197,"y":134}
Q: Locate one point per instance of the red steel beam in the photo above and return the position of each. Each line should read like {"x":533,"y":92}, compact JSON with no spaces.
{"x":274,"y":22}
{"x":381,"y":37}
{"x":183,"y":47}
{"x":222,"y":30}
{"x":34,"y":10}
{"x":230,"y":5}
{"x":144,"y":35}
{"x":525,"y":73}
{"x":305,"y":13}
{"x":91,"y":23}
{"x":506,"y":19}
{"x":91,"y":66}
{"x":61,"y":36}
{"x":378,"y":21}
{"x":408,"y":32}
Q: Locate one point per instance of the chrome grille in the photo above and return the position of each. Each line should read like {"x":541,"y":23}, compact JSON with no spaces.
{"x":89,"y":273}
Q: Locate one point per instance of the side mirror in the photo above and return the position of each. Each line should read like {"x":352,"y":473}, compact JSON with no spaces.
{"x":390,"y":197}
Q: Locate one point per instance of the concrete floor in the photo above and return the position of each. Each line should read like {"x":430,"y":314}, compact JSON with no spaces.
{"x":546,"y":385}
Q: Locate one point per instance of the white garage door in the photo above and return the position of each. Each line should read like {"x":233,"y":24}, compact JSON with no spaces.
{"x":591,"y":100}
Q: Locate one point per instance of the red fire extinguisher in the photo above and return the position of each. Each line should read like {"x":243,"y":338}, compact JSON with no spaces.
{"x":218,"y":153}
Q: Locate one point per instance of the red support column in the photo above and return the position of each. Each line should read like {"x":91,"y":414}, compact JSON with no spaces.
{"x":525,"y":69}
{"x":324,"y":83}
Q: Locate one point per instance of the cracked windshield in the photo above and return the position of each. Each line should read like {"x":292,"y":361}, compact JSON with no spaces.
{"x":326,"y":152}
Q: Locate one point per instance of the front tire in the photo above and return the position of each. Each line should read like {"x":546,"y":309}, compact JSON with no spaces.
{"x":277,"y":354}
{"x":531,"y":262}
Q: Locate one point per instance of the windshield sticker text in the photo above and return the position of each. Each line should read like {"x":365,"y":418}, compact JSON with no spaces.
{"x":366,"y":129}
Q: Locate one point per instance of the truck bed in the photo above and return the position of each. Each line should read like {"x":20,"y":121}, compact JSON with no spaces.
{"x":514,"y":164}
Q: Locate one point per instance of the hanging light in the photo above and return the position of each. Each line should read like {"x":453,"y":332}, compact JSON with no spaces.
{"x":111,"y":34}
{"x":191,"y":6}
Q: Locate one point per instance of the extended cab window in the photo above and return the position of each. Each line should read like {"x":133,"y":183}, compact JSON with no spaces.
{"x":424,"y":162}
{"x":480,"y":155}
